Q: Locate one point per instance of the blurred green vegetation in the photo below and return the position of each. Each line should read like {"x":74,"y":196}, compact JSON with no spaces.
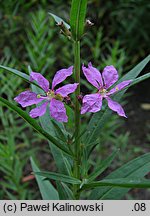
{"x":120,"y":36}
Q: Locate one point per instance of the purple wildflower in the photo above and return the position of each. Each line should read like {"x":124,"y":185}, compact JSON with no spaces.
{"x":93,"y":102}
{"x":52,"y":97}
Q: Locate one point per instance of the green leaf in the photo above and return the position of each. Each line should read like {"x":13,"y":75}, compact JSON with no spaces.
{"x":61,"y":191}
{"x":134,"y":169}
{"x":59,"y":132}
{"x":47,"y":124}
{"x":98,"y":119}
{"x":20,"y":74}
{"x":35,"y":125}
{"x":68,"y":165}
{"x":10,"y":195}
{"x":121,"y":182}
{"x":133,"y":73}
{"x":58,"y":20}
{"x":77,"y":18}
{"x":101,"y":168}
{"x":59,"y":177}
{"x":64,"y":191}
{"x":139,"y":79}
{"x":69,"y":193}
{"x":59,"y":157}
{"x":135,"y":81}
{"x":48,"y":192}
{"x":16,"y":72}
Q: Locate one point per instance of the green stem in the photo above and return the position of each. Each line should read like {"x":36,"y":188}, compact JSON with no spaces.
{"x":77,"y":115}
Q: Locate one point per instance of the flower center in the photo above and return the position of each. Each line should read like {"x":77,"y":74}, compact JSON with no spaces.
{"x":103,"y":92}
{"x":51,"y":94}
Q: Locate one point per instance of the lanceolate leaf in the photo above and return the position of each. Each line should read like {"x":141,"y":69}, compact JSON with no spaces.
{"x":19,"y":74}
{"x":61,"y":191}
{"x":64,"y":191}
{"x":58,"y":20}
{"x":103,"y":165}
{"x":59,"y":177}
{"x":48,"y":192}
{"x":98,"y":119}
{"x":48,"y":126}
{"x":136,"y":81}
{"x":123,"y":182}
{"x":134,"y":169}
{"x":59,"y":132}
{"x":77,"y":17}
{"x":140,"y":79}
{"x":68,"y":191}
{"x":133,"y":73}
{"x":35,"y":125}
{"x":16,"y":72}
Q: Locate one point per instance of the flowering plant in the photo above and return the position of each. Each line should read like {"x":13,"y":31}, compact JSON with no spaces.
{"x":72,"y":150}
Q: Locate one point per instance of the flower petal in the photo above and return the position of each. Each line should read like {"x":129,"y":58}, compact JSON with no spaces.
{"x":91,"y":103}
{"x":27,"y":98}
{"x":113,"y":105}
{"x":39,"y":111}
{"x":58,"y":111}
{"x":42,"y":82}
{"x":93,"y":76}
{"x":61,"y":75}
{"x":110,"y":76}
{"x":119,"y":87}
{"x":67,"y":89}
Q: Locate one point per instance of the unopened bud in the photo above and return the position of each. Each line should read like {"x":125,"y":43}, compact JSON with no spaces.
{"x":64,"y":30}
{"x":89,"y":23}
{"x":38,"y":96}
{"x":67,"y":100}
{"x":80,"y":98}
{"x":60,"y":24}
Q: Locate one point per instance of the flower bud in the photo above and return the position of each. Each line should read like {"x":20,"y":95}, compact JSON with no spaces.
{"x":67,"y":100}
{"x":80,"y":97}
{"x":64,"y":30}
{"x":89,"y":23}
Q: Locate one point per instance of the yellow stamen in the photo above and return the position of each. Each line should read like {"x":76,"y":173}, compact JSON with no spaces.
{"x":51,"y":94}
{"x":103,"y":92}
{"x":38,"y":96}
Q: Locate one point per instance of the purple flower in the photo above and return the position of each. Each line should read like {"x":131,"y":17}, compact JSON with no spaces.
{"x":93,"y":102}
{"x":52,"y":97}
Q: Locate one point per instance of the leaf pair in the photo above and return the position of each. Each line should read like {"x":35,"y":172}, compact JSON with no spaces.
{"x":133,"y":171}
{"x":129,"y":174}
